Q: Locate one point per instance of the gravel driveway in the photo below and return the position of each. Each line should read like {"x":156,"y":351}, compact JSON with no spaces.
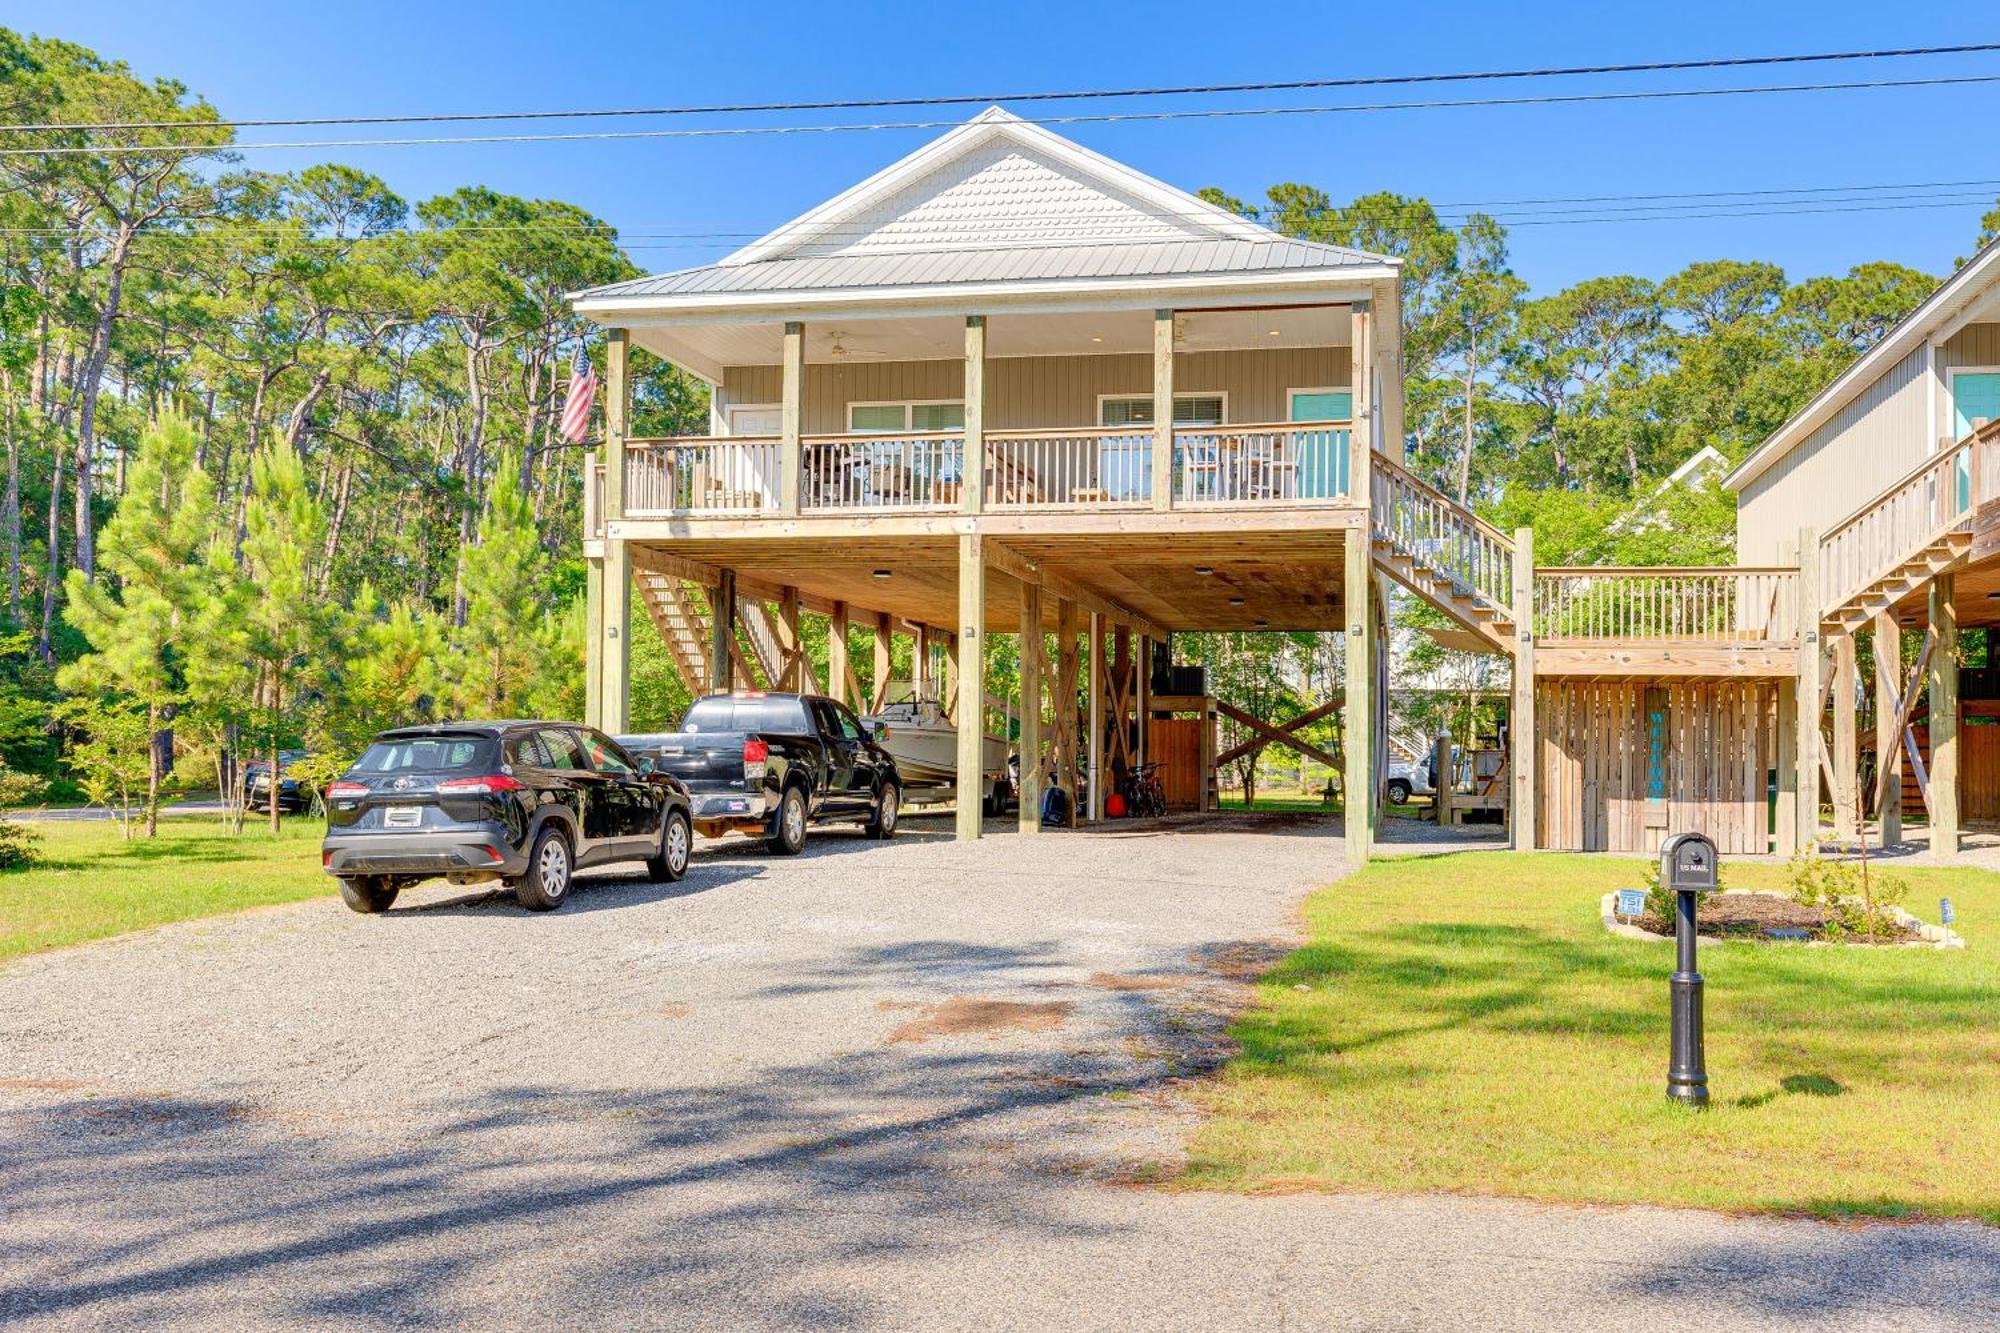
{"x":901,"y":1086}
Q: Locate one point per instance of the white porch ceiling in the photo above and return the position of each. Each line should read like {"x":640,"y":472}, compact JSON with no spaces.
{"x":705,"y":349}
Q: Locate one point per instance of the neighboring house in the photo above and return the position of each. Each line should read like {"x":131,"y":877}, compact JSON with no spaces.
{"x":1008,"y":384}
{"x":1703,"y":467}
{"x":1885,"y":478}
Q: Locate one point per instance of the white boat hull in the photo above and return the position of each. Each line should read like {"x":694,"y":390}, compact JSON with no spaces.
{"x":928,"y":756}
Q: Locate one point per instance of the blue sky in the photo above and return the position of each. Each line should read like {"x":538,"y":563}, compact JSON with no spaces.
{"x":362,"y":56}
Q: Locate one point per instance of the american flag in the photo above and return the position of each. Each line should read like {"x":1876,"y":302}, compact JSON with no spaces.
{"x":582,"y":393}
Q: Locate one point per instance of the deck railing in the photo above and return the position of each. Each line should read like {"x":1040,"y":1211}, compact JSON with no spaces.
{"x":593,"y":497}
{"x":1916,"y":509}
{"x":1431,"y":529}
{"x":701,"y":475}
{"x":1045,"y":469}
{"x":903,"y":471}
{"x":1708,"y":604}
{"x":1282,"y":463}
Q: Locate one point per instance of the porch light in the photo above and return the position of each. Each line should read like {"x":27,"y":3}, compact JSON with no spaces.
{"x":880,"y":574}
{"x":1236,"y":601}
{"x":1274,"y":333}
{"x":1097,"y":337}
{"x":1261,"y":624}
{"x":1204,"y":570}
{"x":1993,"y":596}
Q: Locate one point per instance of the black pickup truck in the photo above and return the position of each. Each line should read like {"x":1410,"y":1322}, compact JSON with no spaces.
{"x":771,"y":764}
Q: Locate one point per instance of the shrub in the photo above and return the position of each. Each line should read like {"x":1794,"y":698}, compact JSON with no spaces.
{"x":20,"y":846}
{"x":1660,"y":898}
{"x":1855,"y":902}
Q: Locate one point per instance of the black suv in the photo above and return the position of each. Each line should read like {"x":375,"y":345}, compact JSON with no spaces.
{"x":525,"y":802}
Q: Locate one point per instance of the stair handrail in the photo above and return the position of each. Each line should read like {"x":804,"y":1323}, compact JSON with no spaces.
{"x":1833,"y":562}
{"x":1400,"y":478}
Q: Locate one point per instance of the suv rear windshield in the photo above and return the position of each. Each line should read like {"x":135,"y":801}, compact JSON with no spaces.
{"x":427,"y":754}
{"x":723,"y":713}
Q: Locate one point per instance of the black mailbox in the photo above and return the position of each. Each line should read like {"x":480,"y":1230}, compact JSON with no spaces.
{"x":1687,"y":870}
{"x":1687,"y":864}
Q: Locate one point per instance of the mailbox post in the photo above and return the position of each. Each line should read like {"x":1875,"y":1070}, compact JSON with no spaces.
{"x":1687,"y":866}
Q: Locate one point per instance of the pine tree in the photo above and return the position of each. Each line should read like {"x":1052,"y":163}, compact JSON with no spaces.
{"x":284,"y":626}
{"x":137,"y":622}
{"x":501,"y":654}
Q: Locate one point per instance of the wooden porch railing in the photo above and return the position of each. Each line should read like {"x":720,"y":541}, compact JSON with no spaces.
{"x":1091,"y":465}
{"x":1280,"y":462}
{"x":1910,"y":513}
{"x":593,"y":497}
{"x":1707,"y":604}
{"x":1430,"y":528}
{"x":701,"y":475}
{"x":902,"y":471}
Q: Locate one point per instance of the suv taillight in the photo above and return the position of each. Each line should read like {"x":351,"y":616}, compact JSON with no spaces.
{"x":344,"y":788}
{"x":493,"y":782}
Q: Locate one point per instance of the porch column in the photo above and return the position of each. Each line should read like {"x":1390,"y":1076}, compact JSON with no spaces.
{"x":1944,"y":717}
{"x":1142,"y":694}
{"x":839,"y":675}
{"x":1065,"y":709}
{"x":972,"y":469}
{"x":1522,"y":817}
{"x":1357,"y":742}
{"x":1163,"y":411}
{"x":971,"y":794}
{"x":885,"y":662}
{"x":1094,"y":752}
{"x":1845,"y":748}
{"x":791,"y":470}
{"x":1888,"y":745}
{"x":614,"y":687}
{"x":593,"y":640}
{"x":1805,"y":720}
{"x":722,"y":632}
{"x":1361,"y":442}
{"x":791,"y":652}
{"x":1031,"y":708}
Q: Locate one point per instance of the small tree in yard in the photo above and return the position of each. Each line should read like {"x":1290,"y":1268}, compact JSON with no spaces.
{"x":137,"y":620}
{"x":19,"y":844}
{"x":220,"y":680}
{"x":282,"y":626}
{"x":112,"y":754}
{"x":499,"y":652}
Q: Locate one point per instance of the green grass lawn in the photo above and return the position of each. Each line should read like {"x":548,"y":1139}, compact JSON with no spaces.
{"x":1464,"y":1023}
{"x":93,"y":883}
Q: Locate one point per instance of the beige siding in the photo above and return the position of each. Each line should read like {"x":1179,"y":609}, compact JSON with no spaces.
{"x":1028,"y":392}
{"x":1876,"y":438}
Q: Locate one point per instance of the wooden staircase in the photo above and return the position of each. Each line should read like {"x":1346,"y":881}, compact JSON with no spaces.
{"x":1943,"y":552}
{"x":1444,"y":553}
{"x":683,"y":625}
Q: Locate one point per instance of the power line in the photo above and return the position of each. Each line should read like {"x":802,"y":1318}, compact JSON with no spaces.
{"x":1209,"y":113}
{"x":1925,"y":193}
{"x":966,"y":99}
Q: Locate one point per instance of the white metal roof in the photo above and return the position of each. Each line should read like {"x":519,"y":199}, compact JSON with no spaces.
{"x":995,"y":202}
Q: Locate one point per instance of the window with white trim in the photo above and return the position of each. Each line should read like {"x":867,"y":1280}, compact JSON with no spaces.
{"x":1190,"y":409}
{"x":890,"y":418}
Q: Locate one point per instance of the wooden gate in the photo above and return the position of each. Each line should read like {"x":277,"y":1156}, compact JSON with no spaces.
{"x":1175,"y":744}
{"x":1624,"y":763}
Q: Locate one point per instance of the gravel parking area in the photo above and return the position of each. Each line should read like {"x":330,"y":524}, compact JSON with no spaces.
{"x":900,"y":1086}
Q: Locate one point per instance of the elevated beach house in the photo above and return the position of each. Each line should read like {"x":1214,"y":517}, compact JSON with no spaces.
{"x":1007,"y":385}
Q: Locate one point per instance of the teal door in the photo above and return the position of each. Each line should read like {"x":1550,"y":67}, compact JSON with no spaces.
{"x":1974,"y":397}
{"x":1323,"y":464}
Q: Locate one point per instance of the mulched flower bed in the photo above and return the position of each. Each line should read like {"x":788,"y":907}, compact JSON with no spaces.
{"x":1740,"y":915}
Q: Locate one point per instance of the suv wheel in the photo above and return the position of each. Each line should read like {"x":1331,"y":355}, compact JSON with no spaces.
{"x":881,"y":824}
{"x":367,"y":893}
{"x":1399,"y":792}
{"x":676,"y":840}
{"x":546,"y":882}
{"x":789,"y":835}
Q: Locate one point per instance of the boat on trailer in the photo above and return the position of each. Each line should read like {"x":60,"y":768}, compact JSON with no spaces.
{"x":924,"y":744}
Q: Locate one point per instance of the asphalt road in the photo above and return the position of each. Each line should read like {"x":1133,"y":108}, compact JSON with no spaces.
{"x":912,"y":1086}
{"x":95,"y":813}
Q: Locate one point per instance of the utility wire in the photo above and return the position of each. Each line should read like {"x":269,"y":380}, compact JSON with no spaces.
{"x":1126,"y":117}
{"x":966,"y":99}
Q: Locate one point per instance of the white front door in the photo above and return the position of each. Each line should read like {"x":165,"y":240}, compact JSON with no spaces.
{"x":756,"y":419}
